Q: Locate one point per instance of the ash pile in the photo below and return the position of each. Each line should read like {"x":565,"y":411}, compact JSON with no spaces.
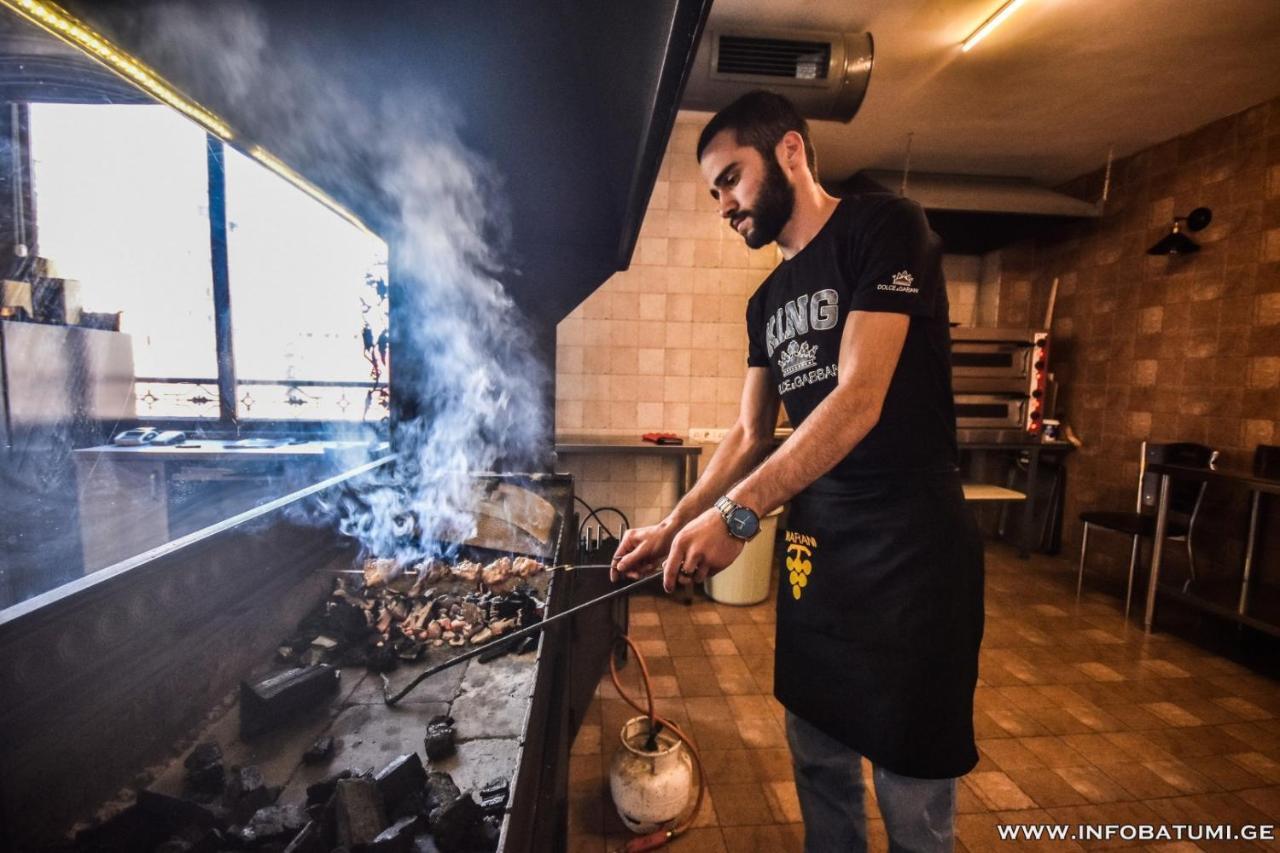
{"x":402,"y":808}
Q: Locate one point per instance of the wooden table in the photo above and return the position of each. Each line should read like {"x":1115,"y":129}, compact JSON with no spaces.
{"x":1257,"y":486}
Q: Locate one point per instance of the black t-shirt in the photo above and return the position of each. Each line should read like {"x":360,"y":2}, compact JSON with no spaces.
{"x":875,"y":253}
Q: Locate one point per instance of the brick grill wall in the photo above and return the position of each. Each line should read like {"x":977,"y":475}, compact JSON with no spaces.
{"x":1167,"y":348}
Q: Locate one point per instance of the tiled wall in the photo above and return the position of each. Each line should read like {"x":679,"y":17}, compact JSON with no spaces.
{"x":662,"y":346}
{"x":1166,"y":348}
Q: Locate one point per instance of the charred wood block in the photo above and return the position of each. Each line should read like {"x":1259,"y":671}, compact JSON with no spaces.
{"x":439,"y":740}
{"x":346,"y":620}
{"x":441,"y":790}
{"x":270,"y":702}
{"x":400,"y":779}
{"x":459,"y":826}
{"x":360,"y":812}
{"x":382,"y":658}
{"x":272,"y":823}
{"x":498,"y":651}
{"x":128,"y":831}
{"x":493,"y":796}
{"x":204,"y":770}
{"x":177,"y":814}
{"x":320,"y":751}
{"x":321,"y":792}
{"x":249,"y":792}
{"x":398,"y":838}
{"x":309,"y":840}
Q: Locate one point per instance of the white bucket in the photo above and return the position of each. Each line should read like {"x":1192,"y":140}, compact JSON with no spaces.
{"x":746,"y":580}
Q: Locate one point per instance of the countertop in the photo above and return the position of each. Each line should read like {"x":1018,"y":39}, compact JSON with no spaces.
{"x":217,"y":450}
{"x":570,"y":444}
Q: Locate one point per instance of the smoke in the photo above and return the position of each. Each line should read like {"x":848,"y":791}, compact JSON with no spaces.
{"x":481,"y":380}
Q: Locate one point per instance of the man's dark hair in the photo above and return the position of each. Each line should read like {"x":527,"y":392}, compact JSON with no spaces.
{"x":760,"y":119}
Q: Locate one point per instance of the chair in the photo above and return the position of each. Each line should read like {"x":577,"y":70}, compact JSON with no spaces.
{"x":1184,"y":508}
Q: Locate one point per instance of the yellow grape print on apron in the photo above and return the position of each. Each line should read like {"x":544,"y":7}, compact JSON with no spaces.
{"x":800,"y":548}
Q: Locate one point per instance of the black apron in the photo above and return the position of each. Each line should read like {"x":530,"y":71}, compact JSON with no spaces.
{"x":880,"y":618}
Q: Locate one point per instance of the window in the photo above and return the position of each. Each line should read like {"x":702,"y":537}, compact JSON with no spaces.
{"x":122,"y":207}
{"x":304,"y":283}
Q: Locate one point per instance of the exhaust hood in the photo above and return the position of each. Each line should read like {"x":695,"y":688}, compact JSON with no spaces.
{"x":974,"y":214}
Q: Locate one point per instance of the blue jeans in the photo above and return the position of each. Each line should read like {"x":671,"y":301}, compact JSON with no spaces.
{"x":919,"y":814}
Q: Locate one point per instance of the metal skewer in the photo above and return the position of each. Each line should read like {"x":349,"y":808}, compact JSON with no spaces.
{"x":514,"y":635}
{"x":564,"y":567}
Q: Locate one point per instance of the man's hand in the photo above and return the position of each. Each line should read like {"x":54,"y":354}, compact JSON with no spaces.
{"x":701,"y":549}
{"x":641,"y":549}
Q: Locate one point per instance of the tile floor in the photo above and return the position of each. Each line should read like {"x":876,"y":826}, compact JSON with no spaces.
{"x":1080,"y":718}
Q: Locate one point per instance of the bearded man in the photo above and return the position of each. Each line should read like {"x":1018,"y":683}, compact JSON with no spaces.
{"x":880,"y":607}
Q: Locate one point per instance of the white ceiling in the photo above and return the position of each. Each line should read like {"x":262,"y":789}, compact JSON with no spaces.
{"x":1048,"y":92}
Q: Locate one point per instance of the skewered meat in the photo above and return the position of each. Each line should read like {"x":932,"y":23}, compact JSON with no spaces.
{"x":379,"y":571}
{"x":525,"y":567}
{"x":468,"y":571}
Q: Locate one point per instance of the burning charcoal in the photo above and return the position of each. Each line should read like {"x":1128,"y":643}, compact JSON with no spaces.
{"x":441,"y":791}
{"x":320,"y":792}
{"x":309,"y":840}
{"x":360,"y":812}
{"x":268,"y":703}
{"x":459,"y":826}
{"x":399,"y":779}
{"x":439,"y":737}
{"x":204,"y":769}
{"x":398,"y":838}
{"x":320,"y":751}
{"x":493,"y":796}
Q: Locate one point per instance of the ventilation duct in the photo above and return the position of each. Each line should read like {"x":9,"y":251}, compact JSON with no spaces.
{"x":824,"y":74}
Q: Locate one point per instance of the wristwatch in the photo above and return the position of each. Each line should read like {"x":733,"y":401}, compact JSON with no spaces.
{"x":743,"y":523}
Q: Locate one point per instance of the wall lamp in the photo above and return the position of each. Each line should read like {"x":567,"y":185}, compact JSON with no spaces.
{"x":1178,"y":243}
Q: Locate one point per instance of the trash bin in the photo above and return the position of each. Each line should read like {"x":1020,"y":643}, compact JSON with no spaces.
{"x":746,"y":580}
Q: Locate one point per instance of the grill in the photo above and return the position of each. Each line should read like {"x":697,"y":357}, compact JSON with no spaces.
{"x":155,"y":656}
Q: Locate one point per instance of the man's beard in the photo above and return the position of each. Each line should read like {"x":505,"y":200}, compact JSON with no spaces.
{"x":773,"y":207}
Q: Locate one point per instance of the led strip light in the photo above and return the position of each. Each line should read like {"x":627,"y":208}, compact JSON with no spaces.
{"x":57,"y":21}
{"x":990,"y":24}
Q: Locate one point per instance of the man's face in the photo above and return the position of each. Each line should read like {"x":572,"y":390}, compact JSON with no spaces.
{"x":752,"y":191}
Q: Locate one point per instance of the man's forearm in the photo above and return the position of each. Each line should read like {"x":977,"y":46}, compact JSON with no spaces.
{"x":827,"y":436}
{"x":733,"y":459}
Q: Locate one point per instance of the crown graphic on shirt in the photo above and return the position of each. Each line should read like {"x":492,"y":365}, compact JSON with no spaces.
{"x":796,"y":356}
{"x":903,"y":279}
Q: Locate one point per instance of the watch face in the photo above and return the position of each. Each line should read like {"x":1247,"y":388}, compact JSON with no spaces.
{"x":743,"y":523}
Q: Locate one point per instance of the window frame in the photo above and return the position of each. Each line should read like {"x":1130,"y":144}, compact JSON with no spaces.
{"x":228,"y":419}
